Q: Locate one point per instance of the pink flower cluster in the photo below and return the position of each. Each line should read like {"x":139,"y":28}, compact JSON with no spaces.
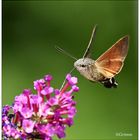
{"x":41,"y":115}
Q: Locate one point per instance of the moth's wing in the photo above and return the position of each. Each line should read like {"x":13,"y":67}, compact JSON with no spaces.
{"x":90,"y":44}
{"x":110,"y":63}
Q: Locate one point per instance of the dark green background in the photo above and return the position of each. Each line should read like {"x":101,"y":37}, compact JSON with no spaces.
{"x":31,"y":29}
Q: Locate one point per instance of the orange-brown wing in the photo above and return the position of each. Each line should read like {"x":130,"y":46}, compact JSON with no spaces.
{"x":110,"y":63}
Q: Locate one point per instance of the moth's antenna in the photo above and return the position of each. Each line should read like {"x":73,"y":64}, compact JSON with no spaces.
{"x":65,"y":78}
{"x":90,"y":44}
{"x":64,"y":52}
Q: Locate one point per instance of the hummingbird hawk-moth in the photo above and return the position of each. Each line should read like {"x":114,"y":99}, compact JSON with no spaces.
{"x":107,"y":66}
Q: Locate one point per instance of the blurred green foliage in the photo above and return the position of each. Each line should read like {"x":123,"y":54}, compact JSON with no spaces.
{"x":31,"y":29}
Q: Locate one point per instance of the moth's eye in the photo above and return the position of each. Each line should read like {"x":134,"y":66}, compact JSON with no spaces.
{"x":83,"y":66}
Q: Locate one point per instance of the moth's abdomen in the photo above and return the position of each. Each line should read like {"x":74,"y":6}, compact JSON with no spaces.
{"x":110,"y":83}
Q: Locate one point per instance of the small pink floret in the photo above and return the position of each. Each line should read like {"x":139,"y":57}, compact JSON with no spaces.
{"x":28,"y":125}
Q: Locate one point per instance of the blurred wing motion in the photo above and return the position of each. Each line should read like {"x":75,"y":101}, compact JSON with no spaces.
{"x":110,"y":63}
{"x":90,"y":44}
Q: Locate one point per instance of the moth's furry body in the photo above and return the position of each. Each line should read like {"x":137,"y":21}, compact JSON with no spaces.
{"x":87,"y":68}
